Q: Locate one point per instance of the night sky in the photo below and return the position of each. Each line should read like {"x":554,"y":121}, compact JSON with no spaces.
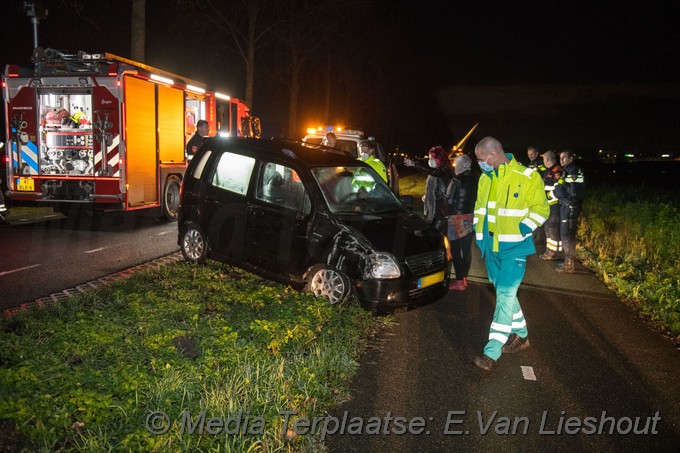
{"x":570,"y":74}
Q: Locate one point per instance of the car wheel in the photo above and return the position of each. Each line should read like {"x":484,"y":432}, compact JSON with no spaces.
{"x":194,"y":244}
{"x":171,"y":197}
{"x":329,"y":283}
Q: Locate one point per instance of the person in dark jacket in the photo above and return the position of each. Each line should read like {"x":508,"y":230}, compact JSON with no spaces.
{"x":461,"y":195}
{"x":569,"y":191}
{"x":439,"y":173}
{"x":3,"y":208}
{"x":202,"y":130}
{"x":553,"y":242}
{"x":535,"y":160}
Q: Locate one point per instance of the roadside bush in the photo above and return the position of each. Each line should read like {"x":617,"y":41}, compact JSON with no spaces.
{"x":630,"y":236}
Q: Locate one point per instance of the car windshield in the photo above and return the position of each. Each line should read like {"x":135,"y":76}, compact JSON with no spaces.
{"x":355,"y":190}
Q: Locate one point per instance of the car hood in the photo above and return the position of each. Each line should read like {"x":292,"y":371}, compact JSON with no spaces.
{"x":400,"y":234}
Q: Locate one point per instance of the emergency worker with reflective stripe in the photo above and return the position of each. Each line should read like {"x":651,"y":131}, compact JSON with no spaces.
{"x":535,"y":160}
{"x":510,"y":205}
{"x":569,"y":191}
{"x":553,"y":242}
{"x":367,"y":154}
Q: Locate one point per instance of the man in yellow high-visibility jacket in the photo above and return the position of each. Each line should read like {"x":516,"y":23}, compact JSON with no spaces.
{"x":510,"y":205}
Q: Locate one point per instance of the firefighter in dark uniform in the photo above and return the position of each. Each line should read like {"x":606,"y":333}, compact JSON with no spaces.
{"x":3,"y":208}
{"x":569,"y":191}
{"x":553,"y":173}
{"x":535,"y":160}
{"x":202,"y":130}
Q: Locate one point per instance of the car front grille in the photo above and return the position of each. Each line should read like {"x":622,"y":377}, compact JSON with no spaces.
{"x":425,"y":262}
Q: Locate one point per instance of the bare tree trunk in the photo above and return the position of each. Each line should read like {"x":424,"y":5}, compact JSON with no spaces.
{"x":295,"y":67}
{"x":250,"y":71}
{"x":327,"y":106}
{"x":138,"y":29}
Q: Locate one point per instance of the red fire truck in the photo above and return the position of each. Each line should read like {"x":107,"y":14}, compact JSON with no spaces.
{"x":105,"y":131}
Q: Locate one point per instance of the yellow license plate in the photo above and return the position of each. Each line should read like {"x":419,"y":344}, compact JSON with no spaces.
{"x":430,"y":280}
{"x":26,"y":184}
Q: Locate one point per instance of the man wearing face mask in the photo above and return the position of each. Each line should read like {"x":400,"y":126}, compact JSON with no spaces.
{"x":367,"y":154}
{"x":439,"y":173}
{"x":510,"y":205}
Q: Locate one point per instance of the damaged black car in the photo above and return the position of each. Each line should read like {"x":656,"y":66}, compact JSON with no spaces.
{"x":315,"y":219}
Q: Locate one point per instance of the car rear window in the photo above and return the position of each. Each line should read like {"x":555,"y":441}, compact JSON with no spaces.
{"x":233,"y":173}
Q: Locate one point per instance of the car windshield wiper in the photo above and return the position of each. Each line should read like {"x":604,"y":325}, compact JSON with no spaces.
{"x":344,"y":211}
{"x":385,"y":211}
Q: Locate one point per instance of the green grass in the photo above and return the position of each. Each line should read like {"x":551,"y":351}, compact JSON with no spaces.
{"x":414,"y":185}
{"x":84,"y":374}
{"x":629,"y":235}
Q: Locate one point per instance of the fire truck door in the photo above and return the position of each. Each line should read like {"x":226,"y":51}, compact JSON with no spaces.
{"x":170,"y":124}
{"x":141,"y":149}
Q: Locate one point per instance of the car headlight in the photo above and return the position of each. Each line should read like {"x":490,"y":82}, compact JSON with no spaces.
{"x":382,"y":265}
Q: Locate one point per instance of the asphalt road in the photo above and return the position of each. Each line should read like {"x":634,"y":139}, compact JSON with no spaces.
{"x":47,"y":253}
{"x":590,"y":356}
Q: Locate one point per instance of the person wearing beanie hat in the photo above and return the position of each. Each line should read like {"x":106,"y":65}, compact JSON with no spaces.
{"x":439,"y":173}
{"x":460,"y":195}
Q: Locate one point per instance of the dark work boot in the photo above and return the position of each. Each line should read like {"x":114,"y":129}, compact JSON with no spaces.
{"x":550,"y":256}
{"x":567,"y":267}
{"x":484,"y":362}
{"x":515,"y":343}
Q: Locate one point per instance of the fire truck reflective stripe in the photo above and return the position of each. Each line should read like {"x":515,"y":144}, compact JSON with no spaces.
{"x":29,"y":155}
{"x":114,"y":159}
{"x":112,"y":156}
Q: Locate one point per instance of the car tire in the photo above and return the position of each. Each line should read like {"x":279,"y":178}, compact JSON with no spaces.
{"x":329,"y":283}
{"x":194,"y":244}
{"x":171,"y":197}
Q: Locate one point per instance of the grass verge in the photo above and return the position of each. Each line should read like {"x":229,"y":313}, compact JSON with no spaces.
{"x":89,"y":373}
{"x":629,"y":235}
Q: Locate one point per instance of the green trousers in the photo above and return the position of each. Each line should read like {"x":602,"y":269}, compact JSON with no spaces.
{"x":506,"y":275}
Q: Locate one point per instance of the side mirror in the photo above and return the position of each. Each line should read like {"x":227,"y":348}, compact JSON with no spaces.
{"x":407,"y":201}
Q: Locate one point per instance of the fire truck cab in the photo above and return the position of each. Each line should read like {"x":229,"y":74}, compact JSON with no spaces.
{"x":104,"y":131}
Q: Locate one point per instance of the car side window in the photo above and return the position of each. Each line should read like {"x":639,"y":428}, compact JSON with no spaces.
{"x":281,"y":186}
{"x":233,"y":172}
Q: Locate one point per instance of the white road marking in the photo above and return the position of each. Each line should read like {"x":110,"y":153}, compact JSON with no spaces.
{"x":528,"y":373}
{"x":95,"y":250}
{"x":163,"y":232}
{"x":20,"y":269}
